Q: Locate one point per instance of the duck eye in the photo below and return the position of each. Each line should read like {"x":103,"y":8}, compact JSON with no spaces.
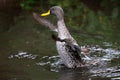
{"x":52,"y":9}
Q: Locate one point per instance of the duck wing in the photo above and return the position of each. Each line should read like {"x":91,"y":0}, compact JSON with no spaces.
{"x":44,"y":22}
{"x":73,"y":50}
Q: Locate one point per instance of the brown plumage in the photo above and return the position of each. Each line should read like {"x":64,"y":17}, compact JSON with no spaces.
{"x":67,"y":47}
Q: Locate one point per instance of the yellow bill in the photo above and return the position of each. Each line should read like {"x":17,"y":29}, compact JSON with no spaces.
{"x":46,"y":14}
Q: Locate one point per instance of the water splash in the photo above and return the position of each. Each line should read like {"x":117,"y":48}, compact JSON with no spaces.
{"x":99,"y":58}
{"x":107,"y":72}
{"x":107,"y":54}
{"x":22,"y":54}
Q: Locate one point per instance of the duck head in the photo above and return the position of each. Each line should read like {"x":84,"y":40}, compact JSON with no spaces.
{"x":55,"y":10}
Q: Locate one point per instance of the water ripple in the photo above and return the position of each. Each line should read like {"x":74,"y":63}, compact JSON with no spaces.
{"x":21,"y":54}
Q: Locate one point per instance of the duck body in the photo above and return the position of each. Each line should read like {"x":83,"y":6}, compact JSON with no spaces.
{"x":69,"y":57}
{"x":68,"y":52}
{"x":66,"y":45}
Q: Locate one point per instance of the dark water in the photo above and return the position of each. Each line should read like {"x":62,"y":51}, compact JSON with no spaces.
{"x":26,"y":53}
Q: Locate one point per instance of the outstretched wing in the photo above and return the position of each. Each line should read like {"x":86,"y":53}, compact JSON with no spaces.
{"x":44,"y":22}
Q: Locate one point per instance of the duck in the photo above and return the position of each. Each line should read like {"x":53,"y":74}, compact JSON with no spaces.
{"x":67,"y":47}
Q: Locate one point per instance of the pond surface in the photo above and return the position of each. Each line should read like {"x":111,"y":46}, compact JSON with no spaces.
{"x":26,"y":53}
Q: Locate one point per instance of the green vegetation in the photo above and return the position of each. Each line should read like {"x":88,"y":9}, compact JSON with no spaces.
{"x":95,"y":17}
{"x":98,"y":19}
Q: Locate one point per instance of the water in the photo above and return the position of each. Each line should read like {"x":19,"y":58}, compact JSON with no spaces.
{"x":26,"y":54}
{"x":101,"y":68}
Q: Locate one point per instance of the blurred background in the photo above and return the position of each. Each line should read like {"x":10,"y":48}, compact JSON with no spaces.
{"x":24,"y":42}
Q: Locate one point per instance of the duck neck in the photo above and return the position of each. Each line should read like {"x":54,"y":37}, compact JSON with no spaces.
{"x":62,"y":30}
